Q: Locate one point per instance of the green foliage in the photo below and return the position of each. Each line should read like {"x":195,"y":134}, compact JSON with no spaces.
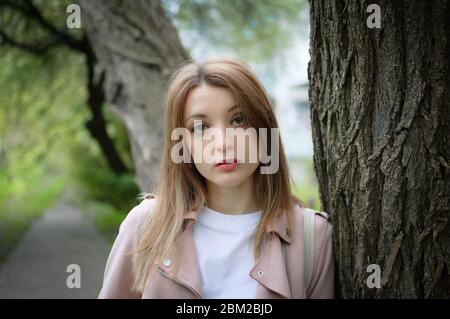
{"x":306,"y":189}
{"x":44,"y":146}
{"x":103,"y":196}
{"x":117,"y":132}
{"x":308,"y":194}
{"x":107,"y":219}
{"x":33,"y":115}
{"x":95,"y":181}
{"x":22,"y":25}
{"x":256,"y":30}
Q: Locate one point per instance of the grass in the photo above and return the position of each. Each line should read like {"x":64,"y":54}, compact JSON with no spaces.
{"x":21,"y":203}
{"x":105,"y":216}
{"x":103,"y":196}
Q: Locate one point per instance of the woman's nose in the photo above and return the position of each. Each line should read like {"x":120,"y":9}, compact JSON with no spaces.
{"x":224,"y":141}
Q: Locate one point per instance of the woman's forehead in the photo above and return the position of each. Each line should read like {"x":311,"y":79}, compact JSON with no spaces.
{"x":208,"y":100}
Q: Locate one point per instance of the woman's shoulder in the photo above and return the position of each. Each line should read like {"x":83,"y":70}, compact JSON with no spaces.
{"x":138,"y":213}
{"x":322,"y":220}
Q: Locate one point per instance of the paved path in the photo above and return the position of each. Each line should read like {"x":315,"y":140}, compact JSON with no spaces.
{"x":36,"y":268}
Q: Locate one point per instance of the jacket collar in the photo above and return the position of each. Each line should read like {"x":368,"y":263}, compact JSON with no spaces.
{"x":278,"y":226}
{"x":269,"y":270}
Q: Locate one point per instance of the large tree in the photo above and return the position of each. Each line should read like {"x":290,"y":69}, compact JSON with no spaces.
{"x":380,"y":114}
{"x":138,"y":48}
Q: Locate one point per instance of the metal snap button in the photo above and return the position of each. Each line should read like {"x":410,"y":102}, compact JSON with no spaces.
{"x":260,"y":272}
{"x":167,"y":262}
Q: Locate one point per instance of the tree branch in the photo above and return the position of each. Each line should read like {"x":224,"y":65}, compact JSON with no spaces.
{"x":31,"y":11}
{"x":96,"y":125}
{"x":36,"y":49}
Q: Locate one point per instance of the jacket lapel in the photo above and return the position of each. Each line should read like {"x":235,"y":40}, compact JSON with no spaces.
{"x":188,"y":273}
{"x":269,"y":270}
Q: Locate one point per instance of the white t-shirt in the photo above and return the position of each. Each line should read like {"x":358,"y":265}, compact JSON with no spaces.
{"x":225,"y":253}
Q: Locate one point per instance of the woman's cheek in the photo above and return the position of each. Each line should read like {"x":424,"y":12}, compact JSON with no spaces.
{"x":252,"y":152}
{"x":202,"y":170}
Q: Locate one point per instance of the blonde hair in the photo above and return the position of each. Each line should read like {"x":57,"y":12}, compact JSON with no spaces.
{"x":181,"y":188}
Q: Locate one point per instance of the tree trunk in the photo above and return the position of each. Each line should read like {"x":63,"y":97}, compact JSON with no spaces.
{"x":380,"y":121}
{"x":138,"y":47}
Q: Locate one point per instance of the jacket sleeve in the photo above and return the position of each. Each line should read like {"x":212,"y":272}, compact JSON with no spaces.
{"x":118,"y":275}
{"x":322,"y":282}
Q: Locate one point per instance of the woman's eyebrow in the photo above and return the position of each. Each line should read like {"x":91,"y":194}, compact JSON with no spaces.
{"x":196,"y":115}
{"x":231,"y":109}
{"x":201,"y":115}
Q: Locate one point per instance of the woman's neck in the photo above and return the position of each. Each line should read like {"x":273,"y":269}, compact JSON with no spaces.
{"x":240,"y":199}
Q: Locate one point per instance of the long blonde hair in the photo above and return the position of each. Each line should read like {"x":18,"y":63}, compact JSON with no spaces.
{"x":181,"y":188}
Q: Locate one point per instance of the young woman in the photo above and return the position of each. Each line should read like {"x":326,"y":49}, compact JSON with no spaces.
{"x":221,"y":223}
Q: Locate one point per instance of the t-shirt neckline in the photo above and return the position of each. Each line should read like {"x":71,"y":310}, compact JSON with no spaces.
{"x":219,"y":220}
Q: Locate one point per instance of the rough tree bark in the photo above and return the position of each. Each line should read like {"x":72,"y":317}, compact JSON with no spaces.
{"x":380,"y":120}
{"x":138,"y":47}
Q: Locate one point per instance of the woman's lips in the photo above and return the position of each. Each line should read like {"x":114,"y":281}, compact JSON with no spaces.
{"x":227,"y":165}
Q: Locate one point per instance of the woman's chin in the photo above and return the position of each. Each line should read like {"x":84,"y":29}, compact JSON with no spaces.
{"x":229,"y":180}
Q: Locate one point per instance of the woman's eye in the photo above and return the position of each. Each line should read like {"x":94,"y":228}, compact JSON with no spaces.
{"x":198,"y":128}
{"x":238,"y":120}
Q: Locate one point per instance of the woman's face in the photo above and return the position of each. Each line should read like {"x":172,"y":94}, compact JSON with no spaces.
{"x":209,"y":111}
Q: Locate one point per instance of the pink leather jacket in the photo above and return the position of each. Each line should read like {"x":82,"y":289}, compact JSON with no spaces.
{"x":269,"y":270}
